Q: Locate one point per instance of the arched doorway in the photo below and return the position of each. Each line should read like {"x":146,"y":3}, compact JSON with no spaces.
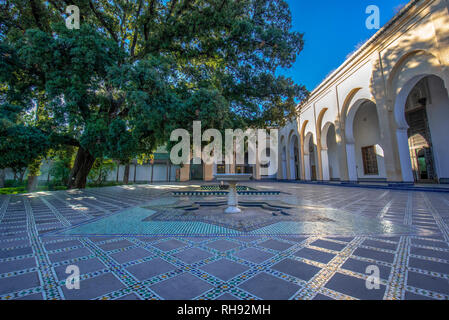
{"x":329,"y":155}
{"x":363,"y":143}
{"x":284,"y":163}
{"x":310,"y":158}
{"x":426,"y":113}
{"x":294,"y":158}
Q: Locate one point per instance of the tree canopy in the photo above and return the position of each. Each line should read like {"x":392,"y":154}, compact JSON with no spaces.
{"x":136,"y":70}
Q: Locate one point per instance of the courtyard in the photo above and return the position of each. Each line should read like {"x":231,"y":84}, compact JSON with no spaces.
{"x":170,"y":242}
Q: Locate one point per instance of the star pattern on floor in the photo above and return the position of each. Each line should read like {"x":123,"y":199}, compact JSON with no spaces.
{"x":33,"y":258}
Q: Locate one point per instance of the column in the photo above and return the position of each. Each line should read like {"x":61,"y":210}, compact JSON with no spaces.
{"x":287,"y":161}
{"x":208,"y":172}
{"x":184,"y":174}
{"x":352,"y":167}
{"x":319,"y":159}
{"x":341,"y":151}
{"x":301,"y":159}
{"x":325,"y":164}
{"x":404,"y":155}
{"x":256,"y":169}
{"x":307,"y":174}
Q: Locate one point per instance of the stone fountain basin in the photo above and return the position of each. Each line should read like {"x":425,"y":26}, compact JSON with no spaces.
{"x":233,"y":179}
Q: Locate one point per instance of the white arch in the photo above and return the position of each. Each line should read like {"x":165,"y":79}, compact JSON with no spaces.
{"x":308,"y":132}
{"x":307,"y":166}
{"x":307,"y":138}
{"x":351,"y":151}
{"x":410,"y":65}
{"x":353,"y":104}
{"x":329,"y":154}
{"x":324,"y":132}
{"x":293,"y":137}
{"x":283,"y":159}
{"x":325,"y":151}
{"x":402,"y":127}
{"x":328,"y":116}
{"x":401,"y":100}
{"x":400,"y":84}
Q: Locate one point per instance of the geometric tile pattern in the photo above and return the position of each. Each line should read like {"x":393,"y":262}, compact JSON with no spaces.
{"x":163,"y":218}
{"x":223,"y":193}
{"x":34,"y":252}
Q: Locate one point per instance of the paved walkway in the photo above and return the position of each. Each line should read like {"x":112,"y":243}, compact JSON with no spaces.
{"x":404,"y":234}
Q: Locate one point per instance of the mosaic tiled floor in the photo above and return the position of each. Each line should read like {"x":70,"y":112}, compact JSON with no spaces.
{"x":124,"y":254}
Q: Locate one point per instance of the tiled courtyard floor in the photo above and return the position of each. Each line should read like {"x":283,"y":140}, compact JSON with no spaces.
{"x":405,"y":234}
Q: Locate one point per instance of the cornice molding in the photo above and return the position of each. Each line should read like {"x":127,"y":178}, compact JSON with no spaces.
{"x":402,"y":17}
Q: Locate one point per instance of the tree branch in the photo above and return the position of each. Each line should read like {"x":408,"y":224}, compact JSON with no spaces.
{"x":61,"y":10}
{"x":36,"y":14}
{"x":222,"y":5}
{"x":149,"y":16}
{"x":133,"y":44}
{"x":173,"y":3}
{"x":102,"y":21}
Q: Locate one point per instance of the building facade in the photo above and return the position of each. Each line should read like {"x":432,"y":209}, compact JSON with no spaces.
{"x":383,"y":115}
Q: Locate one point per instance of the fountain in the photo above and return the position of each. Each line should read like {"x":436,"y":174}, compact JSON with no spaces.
{"x":233,"y":180}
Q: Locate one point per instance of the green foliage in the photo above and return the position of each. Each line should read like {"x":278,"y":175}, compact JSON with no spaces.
{"x":144,"y":158}
{"x":60,"y":171}
{"x":35,"y":166}
{"x":14,"y":184}
{"x":20,"y":144}
{"x":100,"y":171}
{"x":103,"y":184}
{"x":138,"y":69}
{"x":61,"y":163}
{"x":16,"y":190}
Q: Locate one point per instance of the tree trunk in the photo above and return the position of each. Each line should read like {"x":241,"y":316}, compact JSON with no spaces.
{"x":81,"y":168}
{"x":118,"y":171}
{"x":2,"y":178}
{"x":22,"y":174}
{"x":33,"y":174}
{"x":126,"y":174}
{"x":32,"y":183}
{"x":152,"y":171}
{"x":99,"y":180}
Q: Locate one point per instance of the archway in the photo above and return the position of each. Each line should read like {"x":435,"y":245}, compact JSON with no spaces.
{"x":329,"y":153}
{"x":294,"y":157}
{"x":363,"y":143}
{"x":423,"y":113}
{"x":284,"y":163}
{"x":310,"y":158}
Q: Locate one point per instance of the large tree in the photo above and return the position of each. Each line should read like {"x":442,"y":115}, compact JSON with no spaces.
{"x":138,"y":69}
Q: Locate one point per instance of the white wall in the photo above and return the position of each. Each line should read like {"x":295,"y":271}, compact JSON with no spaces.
{"x":438,"y":116}
{"x":45,"y":168}
{"x":284,"y":161}
{"x":366,"y":133}
{"x":143,"y":173}
{"x":334,"y":168}
{"x":294,"y":151}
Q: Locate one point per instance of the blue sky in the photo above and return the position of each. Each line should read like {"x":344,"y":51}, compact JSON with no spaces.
{"x":332,"y":29}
